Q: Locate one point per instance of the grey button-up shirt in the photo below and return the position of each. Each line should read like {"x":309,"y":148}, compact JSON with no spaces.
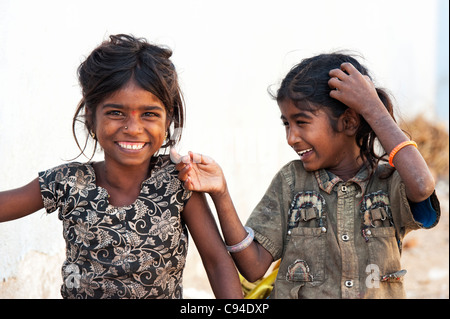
{"x":335,"y":238}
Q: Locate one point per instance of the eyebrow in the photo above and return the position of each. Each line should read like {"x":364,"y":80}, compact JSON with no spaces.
{"x":120,"y":106}
{"x":297,"y":115}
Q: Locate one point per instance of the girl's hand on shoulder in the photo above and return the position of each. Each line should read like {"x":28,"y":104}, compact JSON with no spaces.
{"x":199,"y":172}
{"x":355,"y":90}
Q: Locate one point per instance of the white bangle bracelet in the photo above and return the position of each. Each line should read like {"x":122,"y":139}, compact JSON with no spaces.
{"x":243,"y":244}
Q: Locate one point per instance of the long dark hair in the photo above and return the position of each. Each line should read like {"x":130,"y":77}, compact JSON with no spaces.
{"x":112,"y":64}
{"x":308,"y":81}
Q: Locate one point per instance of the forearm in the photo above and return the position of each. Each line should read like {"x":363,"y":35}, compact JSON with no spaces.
{"x":206,"y":176}
{"x":224,"y":279}
{"x":218,"y":264}
{"x":411,"y":166}
{"x":359,"y":93}
{"x":254,"y":260}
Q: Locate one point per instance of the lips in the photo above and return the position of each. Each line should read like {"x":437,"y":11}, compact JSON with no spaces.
{"x":131,"y":145}
{"x":304,"y":153}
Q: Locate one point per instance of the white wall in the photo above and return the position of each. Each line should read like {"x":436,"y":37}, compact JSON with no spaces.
{"x":227,"y":54}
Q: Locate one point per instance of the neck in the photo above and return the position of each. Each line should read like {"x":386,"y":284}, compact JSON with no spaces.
{"x":349,"y":169}
{"x":122,"y":183}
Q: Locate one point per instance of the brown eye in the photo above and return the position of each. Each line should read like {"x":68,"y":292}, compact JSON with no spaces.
{"x":114,"y":113}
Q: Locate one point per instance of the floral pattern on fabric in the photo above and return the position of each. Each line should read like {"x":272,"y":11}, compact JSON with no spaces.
{"x":137,"y":251}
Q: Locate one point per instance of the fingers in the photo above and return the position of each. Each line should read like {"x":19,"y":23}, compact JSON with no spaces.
{"x":188,"y":184}
{"x":334,"y":83}
{"x":337,"y":74}
{"x":347,"y":73}
{"x":174,"y":156}
{"x":182,"y":164}
{"x":348,"y":68}
{"x":183,"y":172}
{"x":195,"y":157}
{"x":177,"y":158}
{"x":200,"y":158}
{"x":368,"y":79}
{"x":336,"y":78}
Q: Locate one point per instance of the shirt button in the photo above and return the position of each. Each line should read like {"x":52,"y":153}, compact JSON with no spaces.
{"x":345,"y":237}
{"x":349,"y":283}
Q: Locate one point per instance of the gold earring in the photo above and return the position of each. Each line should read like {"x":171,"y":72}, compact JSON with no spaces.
{"x":92,"y":135}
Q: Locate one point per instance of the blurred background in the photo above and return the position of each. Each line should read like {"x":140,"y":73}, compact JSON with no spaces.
{"x":227,"y":54}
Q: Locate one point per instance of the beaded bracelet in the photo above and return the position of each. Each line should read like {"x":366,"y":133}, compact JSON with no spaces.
{"x":243,"y":244}
{"x":398,"y":148}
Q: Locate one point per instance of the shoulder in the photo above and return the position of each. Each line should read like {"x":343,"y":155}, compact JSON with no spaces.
{"x":286,"y":182}
{"x":384,"y":174}
{"x":60,"y":182}
{"x":162,"y":167}
{"x":294,"y":174}
{"x":293,"y":165}
{"x":67,"y":170}
{"x":165,"y":176}
{"x":292,"y":169}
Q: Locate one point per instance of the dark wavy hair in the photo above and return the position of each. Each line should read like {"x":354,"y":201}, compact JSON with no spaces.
{"x":308,"y":82}
{"x":112,"y":64}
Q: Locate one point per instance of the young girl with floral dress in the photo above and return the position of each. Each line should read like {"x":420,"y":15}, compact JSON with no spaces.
{"x":125,"y":218}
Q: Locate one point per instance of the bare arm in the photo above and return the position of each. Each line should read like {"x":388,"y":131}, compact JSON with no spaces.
{"x":218,"y":264}
{"x":204,"y":174}
{"x":358,"y":92}
{"x":20,"y":202}
{"x":254,"y":260}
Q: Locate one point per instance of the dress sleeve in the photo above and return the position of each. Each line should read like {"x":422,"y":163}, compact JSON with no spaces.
{"x":269,"y":218}
{"x":53,"y":184}
{"x":186,"y":195}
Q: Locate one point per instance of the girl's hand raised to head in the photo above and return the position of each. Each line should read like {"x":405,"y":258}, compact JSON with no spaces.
{"x":355,"y":90}
{"x":199,"y":172}
{"x":359,"y":93}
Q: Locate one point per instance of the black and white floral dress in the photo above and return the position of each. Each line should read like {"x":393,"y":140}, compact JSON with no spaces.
{"x":137,"y":251}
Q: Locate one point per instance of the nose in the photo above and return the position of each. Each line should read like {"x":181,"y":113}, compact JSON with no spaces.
{"x":133,"y":123}
{"x":292,"y":136}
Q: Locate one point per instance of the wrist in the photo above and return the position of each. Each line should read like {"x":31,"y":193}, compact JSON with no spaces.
{"x":220,"y":194}
{"x":375,"y":113}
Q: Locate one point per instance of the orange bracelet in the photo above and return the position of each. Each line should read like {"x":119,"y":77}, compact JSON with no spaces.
{"x":398,"y":148}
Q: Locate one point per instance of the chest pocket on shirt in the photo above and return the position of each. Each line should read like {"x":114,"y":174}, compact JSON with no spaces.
{"x":379,"y":233}
{"x":304,"y":257}
{"x":376,"y":210}
{"x":307,"y":210}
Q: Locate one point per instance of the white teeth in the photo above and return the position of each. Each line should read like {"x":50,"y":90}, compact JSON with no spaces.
{"x":132,"y":146}
{"x":304,"y":151}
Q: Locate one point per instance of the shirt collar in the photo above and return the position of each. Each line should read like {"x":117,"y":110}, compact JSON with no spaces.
{"x":327,"y":180}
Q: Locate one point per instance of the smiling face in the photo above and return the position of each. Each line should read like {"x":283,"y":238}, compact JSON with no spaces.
{"x":312,"y":137}
{"x":130,"y":125}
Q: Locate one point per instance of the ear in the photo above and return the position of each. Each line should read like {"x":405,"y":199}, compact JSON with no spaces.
{"x":168,"y":124}
{"x":349,"y":122}
{"x":89,"y":119}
